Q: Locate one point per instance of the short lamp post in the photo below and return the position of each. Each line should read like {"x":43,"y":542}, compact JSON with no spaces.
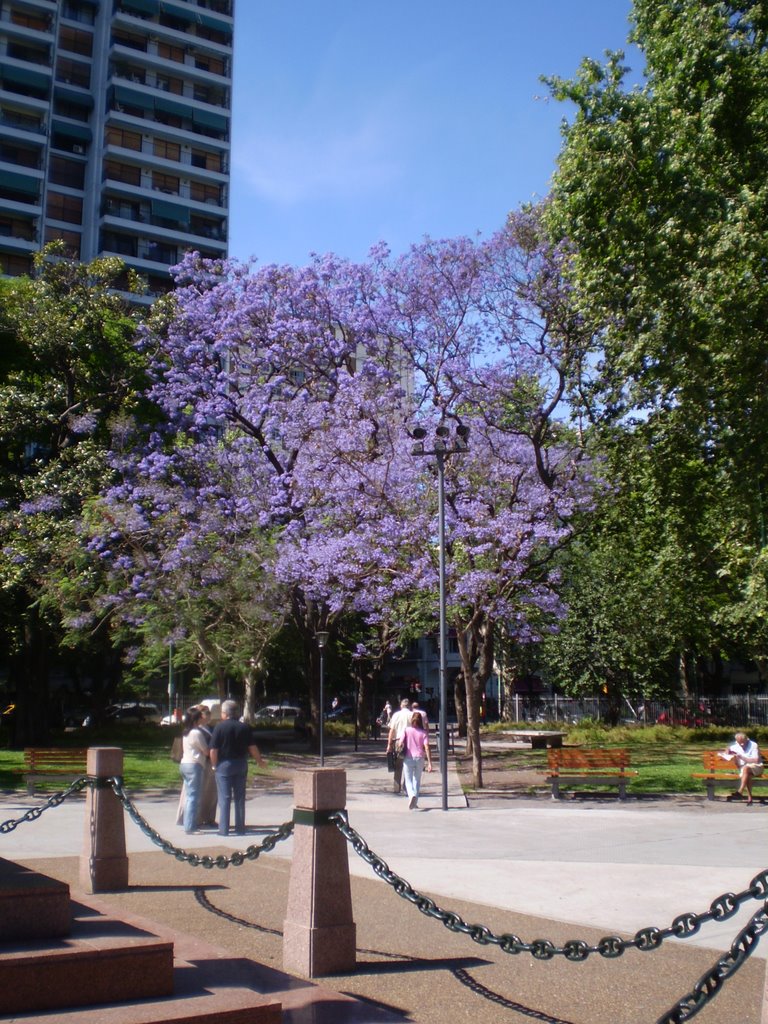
{"x":322,"y":639}
{"x":443,"y":444}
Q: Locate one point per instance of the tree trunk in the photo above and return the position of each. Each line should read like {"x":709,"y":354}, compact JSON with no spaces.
{"x":682,"y":672}
{"x":30,"y":720}
{"x":460,"y":700}
{"x":511,"y":676}
{"x":249,"y":688}
{"x":476,"y":650}
{"x":366,"y":683}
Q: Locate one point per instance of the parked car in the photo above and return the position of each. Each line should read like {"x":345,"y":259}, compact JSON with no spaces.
{"x":75,"y":717}
{"x":137,"y":713}
{"x":342,"y":713}
{"x":177,"y":717}
{"x":214,"y":706}
{"x":273,"y":714}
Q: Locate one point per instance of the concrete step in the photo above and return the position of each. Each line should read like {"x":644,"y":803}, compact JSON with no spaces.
{"x":32,"y":906}
{"x":102,"y":960}
{"x":111,"y":971}
{"x":233,"y":1006}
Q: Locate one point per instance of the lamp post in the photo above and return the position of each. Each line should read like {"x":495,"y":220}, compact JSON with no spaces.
{"x":442,"y":446}
{"x":171,"y":691}
{"x":322,"y":639}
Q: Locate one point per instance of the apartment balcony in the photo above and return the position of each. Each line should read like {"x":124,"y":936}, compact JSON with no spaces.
{"x":169,"y":222}
{"x":149,"y":59}
{"x":173,"y":82}
{"x":144,"y":106}
{"x":20,"y":187}
{"x":15,"y":30}
{"x":177,"y":22}
{"x":19,"y":232}
{"x":22,"y":128}
{"x":33,"y":82}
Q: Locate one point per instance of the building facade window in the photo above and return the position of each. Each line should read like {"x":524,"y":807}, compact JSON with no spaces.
{"x":70,"y":173}
{"x":123,"y":138}
{"x":71,"y":240}
{"x":78,"y":10}
{"x":165,"y":183}
{"x":205,"y":193}
{"x":14,"y":264}
{"x":16,"y":227}
{"x":76,"y":40}
{"x":73,"y":72}
{"x":167,"y":150}
{"x":122,"y":172}
{"x":66,"y":208}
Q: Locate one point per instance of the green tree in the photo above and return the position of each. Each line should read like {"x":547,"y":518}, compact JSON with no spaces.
{"x":662,"y":191}
{"x":69,"y":371}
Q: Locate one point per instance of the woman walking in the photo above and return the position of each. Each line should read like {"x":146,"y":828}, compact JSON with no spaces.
{"x":193,"y":758}
{"x":415,"y":752}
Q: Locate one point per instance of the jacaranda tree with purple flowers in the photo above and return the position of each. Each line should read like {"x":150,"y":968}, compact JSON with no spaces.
{"x":311,"y":380}
{"x":496,"y":346}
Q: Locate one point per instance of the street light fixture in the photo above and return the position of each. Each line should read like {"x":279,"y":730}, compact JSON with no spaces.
{"x":442,"y":446}
{"x":322,"y":639}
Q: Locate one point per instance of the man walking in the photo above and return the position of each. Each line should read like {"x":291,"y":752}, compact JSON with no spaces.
{"x":231,"y":743}
{"x":398,"y":723}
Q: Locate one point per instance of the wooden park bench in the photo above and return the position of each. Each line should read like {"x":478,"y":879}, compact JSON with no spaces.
{"x":52,"y":763}
{"x":575,"y":766}
{"x":721,"y":773}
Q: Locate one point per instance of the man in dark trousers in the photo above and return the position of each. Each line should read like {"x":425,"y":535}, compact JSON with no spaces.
{"x":231,"y":743}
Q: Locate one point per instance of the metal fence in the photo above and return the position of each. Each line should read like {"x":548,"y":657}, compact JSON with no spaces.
{"x":742,"y":710}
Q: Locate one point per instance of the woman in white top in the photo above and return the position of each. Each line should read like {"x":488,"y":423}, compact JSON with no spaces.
{"x":193,"y":758}
{"x":746,"y":753}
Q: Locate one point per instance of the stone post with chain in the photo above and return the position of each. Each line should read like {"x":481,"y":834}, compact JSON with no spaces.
{"x":103,"y":861}
{"x":319,"y":935}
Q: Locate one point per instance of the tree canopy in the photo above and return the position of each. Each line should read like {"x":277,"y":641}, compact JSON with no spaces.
{"x":661,"y":190}
{"x":290,"y":396}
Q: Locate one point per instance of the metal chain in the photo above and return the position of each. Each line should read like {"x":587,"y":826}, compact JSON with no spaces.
{"x":709,"y":984}
{"x":58,"y":798}
{"x":610,"y":946}
{"x":195,"y":860}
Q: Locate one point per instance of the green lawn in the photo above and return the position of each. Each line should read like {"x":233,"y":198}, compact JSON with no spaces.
{"x":665,"y":757}
{"x":147,"y":759}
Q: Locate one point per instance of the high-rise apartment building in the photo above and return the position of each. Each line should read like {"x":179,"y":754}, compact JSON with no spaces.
{"x":114,"y":130}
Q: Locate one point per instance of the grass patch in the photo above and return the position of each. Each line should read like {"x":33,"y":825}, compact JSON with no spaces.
{"x":665,"y":757}
{"x":146,"y":749}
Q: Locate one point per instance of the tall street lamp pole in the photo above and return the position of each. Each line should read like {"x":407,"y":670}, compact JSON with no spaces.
{"x":442,"y":446}
{"x":322,"y":640}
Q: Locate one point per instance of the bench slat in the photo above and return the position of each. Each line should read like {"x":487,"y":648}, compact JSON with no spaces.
{"x":51,"y":762}
{"x":577,"y":766}
{"x":719,"y":772}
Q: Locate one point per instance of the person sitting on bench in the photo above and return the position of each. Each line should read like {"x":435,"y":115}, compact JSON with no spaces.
{"x":746,"y":753}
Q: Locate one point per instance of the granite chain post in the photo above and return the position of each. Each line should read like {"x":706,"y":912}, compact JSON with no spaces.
{"x":319,"y":934}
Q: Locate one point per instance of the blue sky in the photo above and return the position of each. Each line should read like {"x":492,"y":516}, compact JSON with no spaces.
{"x":359,"y":121}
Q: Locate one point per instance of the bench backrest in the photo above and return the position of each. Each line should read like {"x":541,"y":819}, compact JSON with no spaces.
{"x":713,"y":762}
{"x":560,"y":758}
{"x":40,"y":758}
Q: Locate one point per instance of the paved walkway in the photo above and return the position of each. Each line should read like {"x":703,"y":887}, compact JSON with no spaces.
{"x":578,"y":868}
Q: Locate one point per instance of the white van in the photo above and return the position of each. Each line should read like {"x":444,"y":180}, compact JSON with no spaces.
{"x":274,"y":713}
